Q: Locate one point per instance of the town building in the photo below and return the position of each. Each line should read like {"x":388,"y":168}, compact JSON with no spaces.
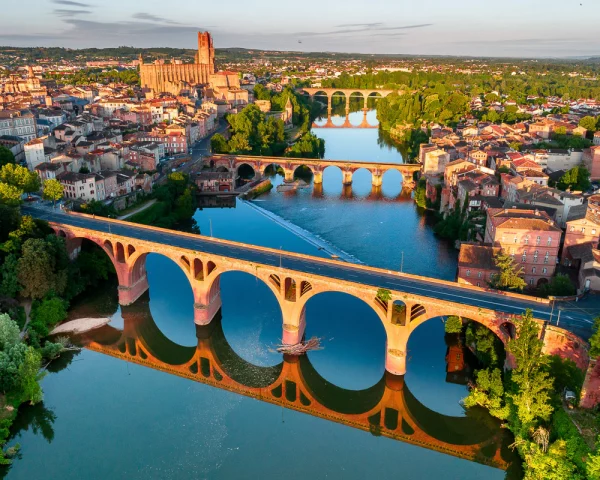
{"x":476,"y":264}
{"x":531,"y":237}
{"x":18,"y":123}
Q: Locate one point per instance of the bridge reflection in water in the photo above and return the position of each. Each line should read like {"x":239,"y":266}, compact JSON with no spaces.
{"x":387,"y":408}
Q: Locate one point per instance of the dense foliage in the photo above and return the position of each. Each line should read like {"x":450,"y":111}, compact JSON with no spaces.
{"x":528,"y":399}
{"x":97,"y":75}
{"x":175,"y":205}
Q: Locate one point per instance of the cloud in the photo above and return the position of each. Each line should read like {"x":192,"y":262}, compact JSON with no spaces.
{"x":70,"y":3}
{"x":68,"y":13}
{"x":368,"y":25}
{"x":153,"y":18}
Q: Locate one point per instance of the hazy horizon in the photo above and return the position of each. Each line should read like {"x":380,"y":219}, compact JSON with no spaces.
{"x":533,"y":30}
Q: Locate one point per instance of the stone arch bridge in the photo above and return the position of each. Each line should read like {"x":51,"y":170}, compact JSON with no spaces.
{"x":347,"y":93}
{"x":289,"y":165}
{"x":294,"y":279}
{"x":387,"y":408}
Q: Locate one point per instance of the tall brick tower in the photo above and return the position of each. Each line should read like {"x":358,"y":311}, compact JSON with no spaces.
{"x":206,"y":51}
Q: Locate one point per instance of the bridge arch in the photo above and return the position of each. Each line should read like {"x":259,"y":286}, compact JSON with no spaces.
{"x":304,"y":172}
{"x":246,"y":171}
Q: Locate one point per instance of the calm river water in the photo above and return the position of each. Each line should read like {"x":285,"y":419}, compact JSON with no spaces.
{"x":103,"y":417}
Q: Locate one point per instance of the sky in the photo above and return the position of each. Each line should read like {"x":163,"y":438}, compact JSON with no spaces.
{"x":522,"y":28}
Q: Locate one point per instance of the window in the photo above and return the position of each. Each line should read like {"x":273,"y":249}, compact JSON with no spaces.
{"x":571,"y":229}
{"x":524,"y":258}
{"x":549,"y":241}
{"x":478,"y":274}
{"x":593,"y":231}
{"x":527,"y":240}
{"x":468,"y":273}
{"x":582,"y":229}
{"x":531,"y":281}
{"x":537,"y":240}
{"x":515,"y":239}
{"x":544,"y":270}
{"x":533,"y":270}
{"x":546,"y":257}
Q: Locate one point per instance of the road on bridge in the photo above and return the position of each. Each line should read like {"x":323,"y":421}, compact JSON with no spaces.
{"x":577,"y":320}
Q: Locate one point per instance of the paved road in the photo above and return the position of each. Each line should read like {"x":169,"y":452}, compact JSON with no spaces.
{"x":577,"y":320}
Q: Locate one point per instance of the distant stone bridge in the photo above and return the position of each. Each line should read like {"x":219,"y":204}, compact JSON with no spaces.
{"x":290,"y":165}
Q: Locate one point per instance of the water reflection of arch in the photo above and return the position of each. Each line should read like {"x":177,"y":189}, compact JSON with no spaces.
{"x":387,"y":408}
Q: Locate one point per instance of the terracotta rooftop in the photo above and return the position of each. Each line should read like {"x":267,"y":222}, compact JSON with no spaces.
{"x":477,"y":256}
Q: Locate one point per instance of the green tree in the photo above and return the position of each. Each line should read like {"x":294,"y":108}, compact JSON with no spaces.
{"x":531,"y":398}
{"x":453,"y":324}
{"x":384,"y":295}
{"x":11,"y":360}
{"x":589,"y":123}
{"x":9,"y":284}
{"x":218,"y":144}
{"x":10,"y":195}
{"x":593,"y":465}
{"x":53,"y":190}
{"x":488,"y":392}
{"x":577,"y":178}
{"x":595,"y":339}
{"x":9,"y":332}
{"x":46,"y":314}
{"x":510,"y":275}
{"x":20,"y":177}
{"x":6,"y":156}
{"x":548,"y":465}
{"x":559,"y":286}
{"x":37,"y":270}
{"x":10,"y":218}
{"x":566,"y":374}
{"x":30,"y":376}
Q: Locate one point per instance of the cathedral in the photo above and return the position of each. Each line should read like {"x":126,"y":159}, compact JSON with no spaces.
{"x":172,"y":78}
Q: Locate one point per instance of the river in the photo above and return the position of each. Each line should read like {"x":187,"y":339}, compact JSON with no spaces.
{"x":103,"y":417}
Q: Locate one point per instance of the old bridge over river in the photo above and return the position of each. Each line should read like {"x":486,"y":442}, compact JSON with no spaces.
{"x":295,"y":278}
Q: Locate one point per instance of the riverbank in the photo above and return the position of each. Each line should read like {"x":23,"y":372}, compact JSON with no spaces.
{"x":307,"y":236}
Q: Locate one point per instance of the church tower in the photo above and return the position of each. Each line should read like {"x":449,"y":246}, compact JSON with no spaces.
{"x":206,"y":51}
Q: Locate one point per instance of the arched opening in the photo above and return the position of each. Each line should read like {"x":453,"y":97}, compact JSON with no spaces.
{"x":130,"y":250}
{"x":338,"y":108}
{"x":357,"y":103}
{"x":399,"y":313}
{"x":332,"y":180}
{"x":542,"y":281}
{"x":372,"y":100}
{"x":509,"y":329}
{"x":198,"y":269}
{"x":321,"y":98}
{"x":361,"y":182}
{"x":171,"y":300}
{"x":275,"y":173}
{"x":210,"y":266}
{"x":290,"y":289}
{"x":222,"y":168}
{"x":275,"y":281}
{"x":416,"y":312}
{"x":391,"y":185}
{"x":251,"y":317}
{"x":120,"y":253}
{"x":186,"y":264}
{"x":304,"y":173}
{"x":109,"y":248}
{"x":245,"y":174}
{"x":61,"y":233}
{"x":305,"y":287}
{"x":353,"y":337}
